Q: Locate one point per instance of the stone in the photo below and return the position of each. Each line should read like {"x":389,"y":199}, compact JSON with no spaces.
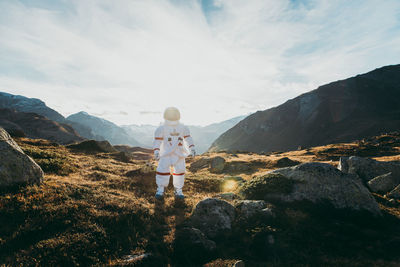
{"x":315,"y":182}
{"x":384,"y":183}
{"x":248,"y":208}
{"x":367,"y":168}
{"x":192,"y":243}
{"x":395,"y":193}
{"x":15,"y":166}
{"x":213,"y":217}
{"x":199,"y":164}
{"x":217,"y":164}
{"x":286,"y":162}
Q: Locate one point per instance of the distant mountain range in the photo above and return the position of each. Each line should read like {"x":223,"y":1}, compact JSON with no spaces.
{"x":111,"y":132}
{"x":342,"y":111}
{"x":203,"y":136}
{"x":55,"y":127}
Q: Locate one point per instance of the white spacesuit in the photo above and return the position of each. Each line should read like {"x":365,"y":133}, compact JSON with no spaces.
{"x":172,"y":144}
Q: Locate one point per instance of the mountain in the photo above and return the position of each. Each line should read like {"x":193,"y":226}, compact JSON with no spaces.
{"x":203,"y":135}
{"x":100,"y":127}
{"x":34,"y":105}
{"x":25,"y":104}
{"x":206,"y":135}
{"x":37,"y":126}
{"x":342,"y":111}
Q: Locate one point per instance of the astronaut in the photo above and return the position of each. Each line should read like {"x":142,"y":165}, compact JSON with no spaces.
{"x":172,"y":144}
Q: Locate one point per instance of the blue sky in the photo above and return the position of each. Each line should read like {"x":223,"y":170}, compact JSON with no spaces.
{"x":126,"y":60}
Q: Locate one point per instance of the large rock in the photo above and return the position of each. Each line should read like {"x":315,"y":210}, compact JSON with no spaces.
{"x":192,"y":243}
{"x":217,"y":164}
{"x":367,"y":169}
{"x":247,"y":209}
{"x":384,"y":183}
{"x":213,"y":217}
{"x":15,"y":166}
{"x":316,"y":182}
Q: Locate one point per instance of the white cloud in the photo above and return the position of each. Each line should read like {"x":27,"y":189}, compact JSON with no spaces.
{"x":112,"y":57}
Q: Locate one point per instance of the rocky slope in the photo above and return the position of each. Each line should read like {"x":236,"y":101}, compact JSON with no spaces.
{"x":341,"y":111}
{"x":104,"y":128}
{"x":36,"y":126}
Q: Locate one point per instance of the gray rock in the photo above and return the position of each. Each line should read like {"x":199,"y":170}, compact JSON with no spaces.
{"x":384,"y":183}
{"x":248,"y":208}
{"x":395,"y":193}
{"x":192,"y":239}
{"x":15,"y":166}
{"x":367,"y":169}
{"x":217,"y":164}
{"x":322,"y":182}
{"x":286,"y":162}
{"x":199,"y":164}
{"x":213,"y":217}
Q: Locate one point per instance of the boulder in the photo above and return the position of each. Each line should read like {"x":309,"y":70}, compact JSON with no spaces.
{"x":213,"y":217}
{"x":367,"y":168}
{"x":192,"y":243}
{"x":384,"y":183}
{"x":15,"y":166}
{"x":217,"y":164}
{"x":286,"y":162}
{"x":315,"y":182}
{"x":199,"y":164}
{"x":395,"y":193}
{"x":246,"y":209}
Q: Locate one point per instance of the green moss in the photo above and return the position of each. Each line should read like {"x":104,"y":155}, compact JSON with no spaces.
{"x":272,"y":183}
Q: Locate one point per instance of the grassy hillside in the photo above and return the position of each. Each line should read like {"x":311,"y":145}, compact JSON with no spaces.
{"x":94,"y":209}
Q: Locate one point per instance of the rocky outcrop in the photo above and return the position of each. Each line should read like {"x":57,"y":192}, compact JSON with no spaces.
{"x":315,"y":182}
{"x":214,"y":217}
{"x":15,"y":166}
{"x":367,"y":168}
{"x":384,"y":183}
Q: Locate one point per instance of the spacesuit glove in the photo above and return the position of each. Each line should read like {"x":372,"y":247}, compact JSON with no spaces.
{"x":157,"y":155}
{"x":192,"y":152}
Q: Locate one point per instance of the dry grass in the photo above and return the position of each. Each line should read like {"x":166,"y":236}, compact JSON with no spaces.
{"x":102,"y":209}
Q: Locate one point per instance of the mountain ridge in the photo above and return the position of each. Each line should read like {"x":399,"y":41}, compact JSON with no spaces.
{"x":340,"y":111}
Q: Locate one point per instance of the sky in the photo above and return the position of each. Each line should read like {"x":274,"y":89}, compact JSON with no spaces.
{"x":127,"y":60}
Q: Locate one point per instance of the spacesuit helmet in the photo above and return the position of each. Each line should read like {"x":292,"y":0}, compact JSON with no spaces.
{"x":172,"y":114}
